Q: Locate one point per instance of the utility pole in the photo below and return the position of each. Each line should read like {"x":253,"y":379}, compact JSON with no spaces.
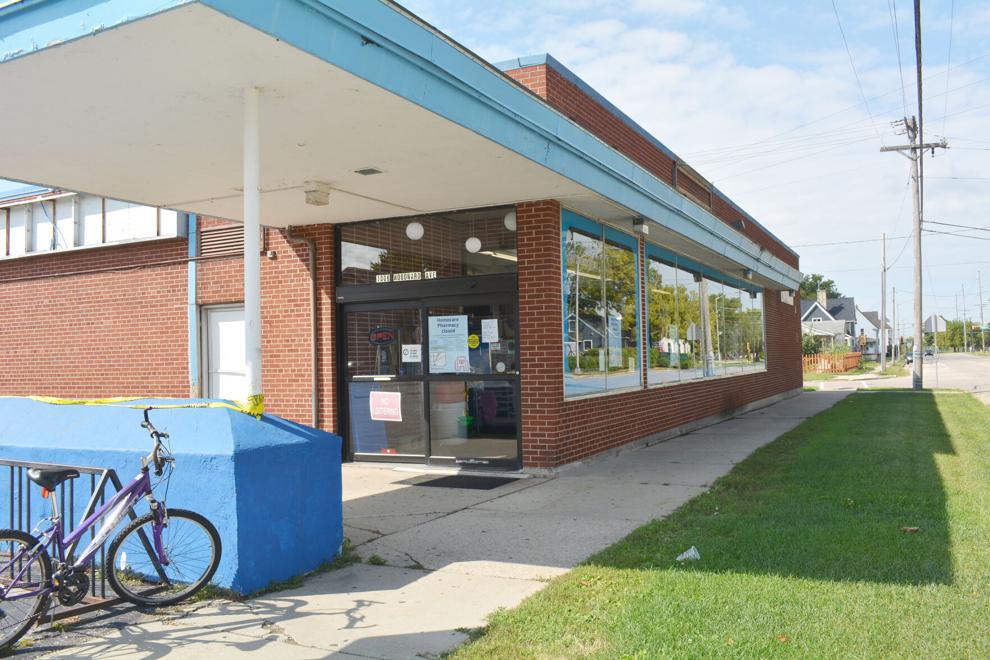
{"x":957,"y":311}
{"x":883,"y":302}
{"x":983,"y":338}
{"x":895,"y":352}
{"x":913,"y":152}
{"x":965,"y":322}
{"x":915,"y":131}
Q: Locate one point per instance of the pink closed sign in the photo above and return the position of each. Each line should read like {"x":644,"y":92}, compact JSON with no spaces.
{"x":386,"y":406}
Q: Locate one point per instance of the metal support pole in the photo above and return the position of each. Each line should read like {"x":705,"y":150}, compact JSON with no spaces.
{"x":896,"y":344}
{"x":965,"y":322}
{"x":883,"y":302}
{"x":252,"y":250}
{"x":983,"y":337}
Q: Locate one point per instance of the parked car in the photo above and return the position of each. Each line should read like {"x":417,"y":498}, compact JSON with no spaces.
{"x":929,"y":352}
{"x":909,"y":359}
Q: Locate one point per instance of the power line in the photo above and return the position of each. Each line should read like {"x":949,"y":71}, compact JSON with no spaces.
{"x":865,"y":240}
{"x":844,"y":110}
{"x":859,"y":83}
{"x":962,"y":178}
{"x":948,"y":63}
{"x":894,"y":26}
{"x":958,"y":235}
{"x":949,"y":224}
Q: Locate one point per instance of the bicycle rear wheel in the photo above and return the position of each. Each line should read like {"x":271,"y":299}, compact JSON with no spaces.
{"x":192,"y":547}
{"x":25,"y":576}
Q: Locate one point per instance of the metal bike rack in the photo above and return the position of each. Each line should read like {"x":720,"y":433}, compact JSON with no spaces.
{"x":19,"y":491}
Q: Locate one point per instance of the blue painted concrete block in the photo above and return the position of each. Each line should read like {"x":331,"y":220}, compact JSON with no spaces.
{"x":272,"y":487}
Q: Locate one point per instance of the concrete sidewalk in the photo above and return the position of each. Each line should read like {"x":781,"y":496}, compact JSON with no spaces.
{"x":454,"y":556}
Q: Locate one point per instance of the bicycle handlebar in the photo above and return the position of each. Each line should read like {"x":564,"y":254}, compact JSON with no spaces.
{"x":156,"y":453}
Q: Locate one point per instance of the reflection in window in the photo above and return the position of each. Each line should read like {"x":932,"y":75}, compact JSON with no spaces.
{"x":714,"y":294}
{"x":585,"y":318}
{"x":753,"y":329}
{"x":465,"y":243}
{"x":601,"y":348}
{"x":690,"y":325}
{"x":667,"y":342}
{"x":623,"y":322}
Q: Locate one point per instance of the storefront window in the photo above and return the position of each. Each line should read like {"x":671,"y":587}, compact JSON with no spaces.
{"x":715,"y":296}
{"x":601,"y":315}
{"x":690,"y":325}
{"x":753,"y":329}
{"x":465,"y":243}
{"x":667,"y":345}
{"x":623,"y":320}
{"x":733,"y":357}
{"x":585,"y":316}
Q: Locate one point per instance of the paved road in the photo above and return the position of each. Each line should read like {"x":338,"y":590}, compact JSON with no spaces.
{"x":445,"y":558}
{"x":970,"y":373}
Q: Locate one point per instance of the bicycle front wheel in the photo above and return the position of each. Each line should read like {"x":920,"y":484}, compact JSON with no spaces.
{"x":25,"y":576}
{"x":191,"y":546}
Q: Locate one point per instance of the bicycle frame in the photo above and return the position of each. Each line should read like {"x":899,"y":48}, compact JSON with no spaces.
{"x":119,"y":505}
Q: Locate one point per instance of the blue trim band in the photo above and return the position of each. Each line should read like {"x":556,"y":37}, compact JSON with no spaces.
{"x":684,"y":263}
{"x":396,"y":52}
{"x":573,"y":78}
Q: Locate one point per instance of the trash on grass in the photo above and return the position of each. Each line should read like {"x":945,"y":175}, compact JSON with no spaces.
{"x":910,"y":530}
{"x":691,"y":554}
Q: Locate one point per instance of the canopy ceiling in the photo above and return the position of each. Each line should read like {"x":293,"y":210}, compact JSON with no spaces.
{"x":149,"y":110}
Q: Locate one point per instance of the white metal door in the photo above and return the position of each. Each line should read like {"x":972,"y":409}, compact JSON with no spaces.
{"x":226,"y":374}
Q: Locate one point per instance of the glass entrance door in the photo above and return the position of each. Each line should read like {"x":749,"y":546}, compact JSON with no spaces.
{"x":434,"y":381}
{"x":385,"y":389}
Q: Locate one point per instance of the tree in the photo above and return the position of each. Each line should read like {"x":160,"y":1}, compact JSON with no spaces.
{"x":813,"y":282}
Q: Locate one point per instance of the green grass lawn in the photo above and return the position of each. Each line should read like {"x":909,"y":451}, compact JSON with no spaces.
{"x":802,"y":551}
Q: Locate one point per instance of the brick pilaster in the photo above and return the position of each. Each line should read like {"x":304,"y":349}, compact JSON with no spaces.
{"x":541,"y":343}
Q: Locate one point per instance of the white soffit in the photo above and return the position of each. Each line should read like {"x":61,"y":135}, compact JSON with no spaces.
{"x":150,"y":112}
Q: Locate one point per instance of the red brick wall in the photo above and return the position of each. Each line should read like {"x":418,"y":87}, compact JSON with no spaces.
{"x":558,"y":431}
{"x":541,"y":343}
{"x":113,"y":321}
{"x":107,"y":321}
{"x":285,"y":322}
{"x":570,"y":100}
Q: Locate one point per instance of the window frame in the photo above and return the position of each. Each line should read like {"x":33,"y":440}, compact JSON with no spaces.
{"x":569,"y":220}
{"x":686,"y":264}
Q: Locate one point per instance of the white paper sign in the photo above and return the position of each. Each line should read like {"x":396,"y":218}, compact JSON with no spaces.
{"x":449,"y":344}
{"x":489,"y":331}
{"x":412,"y":353}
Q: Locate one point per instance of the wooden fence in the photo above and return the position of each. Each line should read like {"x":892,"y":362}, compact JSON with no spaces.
{"x":830,"y":363}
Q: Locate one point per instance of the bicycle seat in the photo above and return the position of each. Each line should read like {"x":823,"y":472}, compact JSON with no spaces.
{"x":51,"y":478}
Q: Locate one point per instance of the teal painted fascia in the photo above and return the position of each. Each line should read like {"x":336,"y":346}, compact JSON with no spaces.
{"x":390,"y":49}
{"x":381,"y":44}
{"x":555,"y":64}
{"x":32,"y":25}
{"x":192,"y":309}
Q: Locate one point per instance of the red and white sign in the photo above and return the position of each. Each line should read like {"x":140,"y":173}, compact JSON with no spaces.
{"x":386,"y":406}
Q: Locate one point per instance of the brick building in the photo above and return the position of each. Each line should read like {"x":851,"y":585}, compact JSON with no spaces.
{"x":509,"y":272}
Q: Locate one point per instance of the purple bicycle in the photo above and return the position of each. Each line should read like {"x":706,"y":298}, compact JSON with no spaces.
{"x":160,"y":558}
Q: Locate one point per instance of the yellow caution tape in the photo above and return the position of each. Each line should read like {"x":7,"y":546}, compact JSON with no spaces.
{"x":255,"y":405}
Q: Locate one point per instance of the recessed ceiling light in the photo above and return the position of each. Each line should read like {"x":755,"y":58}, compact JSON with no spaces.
{"x":368,"y":171}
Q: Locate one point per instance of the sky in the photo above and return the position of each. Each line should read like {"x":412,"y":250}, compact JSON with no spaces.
{"x":762,"y":99}
{"x":765,"y":100}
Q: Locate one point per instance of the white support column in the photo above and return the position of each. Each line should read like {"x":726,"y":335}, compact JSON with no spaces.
{"x":252,"y":250}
